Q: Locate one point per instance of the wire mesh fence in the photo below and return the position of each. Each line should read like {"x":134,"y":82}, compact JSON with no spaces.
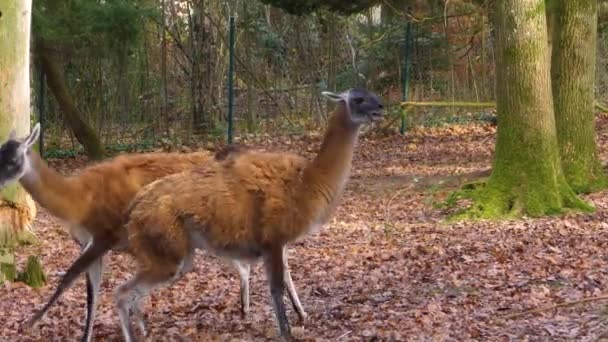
{"x":282,"y":64}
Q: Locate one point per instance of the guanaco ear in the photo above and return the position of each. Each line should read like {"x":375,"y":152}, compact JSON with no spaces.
{"x":334,"y":97}
{"x":33,"y":137}
{"x":12,"y":135}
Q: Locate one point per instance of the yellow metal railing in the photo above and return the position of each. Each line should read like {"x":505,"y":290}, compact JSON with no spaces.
{"x":406,"y":106}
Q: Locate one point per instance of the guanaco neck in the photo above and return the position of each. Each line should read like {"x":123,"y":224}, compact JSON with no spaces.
{"x":60,"y":195}
{"x":324,"y":179}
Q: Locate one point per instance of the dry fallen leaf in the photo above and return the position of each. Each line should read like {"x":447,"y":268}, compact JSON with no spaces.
{"x":374,"y":273}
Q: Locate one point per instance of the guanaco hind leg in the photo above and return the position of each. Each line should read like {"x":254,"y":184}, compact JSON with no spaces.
{"x":94,"y":250}
{"x":139,"y":317}
{"x":94,"y":276}
{"x":93,"y":281}
{"x":243,"y":270}
{"x":130,"y":293}
{"x":275,"y":269}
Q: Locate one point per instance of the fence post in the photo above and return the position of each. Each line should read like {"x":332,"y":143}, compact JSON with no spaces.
{"x":406,"y":73}
{"x":41,"y":110}
{"x":231,"y":81}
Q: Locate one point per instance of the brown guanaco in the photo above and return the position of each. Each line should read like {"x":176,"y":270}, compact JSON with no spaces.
{"x":247,"y":207}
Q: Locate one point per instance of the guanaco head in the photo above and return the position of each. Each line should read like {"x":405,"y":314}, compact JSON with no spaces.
{"x":361,"y":105}
{"x":13,"y":160}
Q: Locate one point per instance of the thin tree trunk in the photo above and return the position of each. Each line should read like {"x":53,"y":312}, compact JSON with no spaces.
{"x":484,"y":73}
{"x":124,"y":89}
{"x":331,"y":42}
{"x":527,"y":178}
{"x":163,"y":70}
{"x":17,"y":209}
{"x":449,"y":53}
{"x":371,"y":63}
{"x":250,"y":111}
{"x":82,"y":130}
{"x":573,"y":76}
{"x":201,"y":119}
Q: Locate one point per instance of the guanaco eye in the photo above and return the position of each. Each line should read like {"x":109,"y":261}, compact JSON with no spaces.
{"x":359,"y":100}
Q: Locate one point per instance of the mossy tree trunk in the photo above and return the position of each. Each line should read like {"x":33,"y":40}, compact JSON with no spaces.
{"x":17,"y":210}
{"x":527,"y":178}
{"x":573,"y":79}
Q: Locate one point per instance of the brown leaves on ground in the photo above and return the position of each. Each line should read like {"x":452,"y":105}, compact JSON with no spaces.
{"x":385,"y":268}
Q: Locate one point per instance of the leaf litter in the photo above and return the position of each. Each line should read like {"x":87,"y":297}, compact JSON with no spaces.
{"x":385,"y":268}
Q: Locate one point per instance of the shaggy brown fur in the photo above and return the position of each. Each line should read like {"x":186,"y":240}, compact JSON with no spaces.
{"x":96,"y":199}
{"x":231,"y":203}
{"x":245,"y":207}
{"x":94,"y":204}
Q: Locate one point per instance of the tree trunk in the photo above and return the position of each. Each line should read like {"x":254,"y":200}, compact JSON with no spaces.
{"x":332,"y":72}
{"x":250,"y":108}
{"x":124,"y":90}
{"x":163,"y":71}
{"x":573,"y":79}
{"x":527,"y":178}
{"x":81,"y":129}
{"x":17,"y":209}
{"x":200,"y":47}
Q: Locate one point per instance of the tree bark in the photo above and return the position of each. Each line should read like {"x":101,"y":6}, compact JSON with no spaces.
{"x":573,"y":79}
{"x":527,"y":178}
{"x":17,"y":209}
{"x":201,"y":120}
{"x":82,"y":130}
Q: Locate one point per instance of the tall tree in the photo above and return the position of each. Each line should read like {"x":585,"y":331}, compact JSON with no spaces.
{"x":17,"y":210}
{"x":84,"y":133}
{"x":200,"y":75}
{"x":573,"y":80}
{"x":48,"y":53}
{"x":527,"y":177}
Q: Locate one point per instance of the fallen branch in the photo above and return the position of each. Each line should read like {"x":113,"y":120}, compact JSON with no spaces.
{"x":387,"y":210}
{"x":556,"y":306}
{"x":409,"y":104}
{"x":343,"y":335}
{"x":601,"y":107}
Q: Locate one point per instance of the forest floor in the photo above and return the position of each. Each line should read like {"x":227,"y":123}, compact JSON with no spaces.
{"x":386,"y":267}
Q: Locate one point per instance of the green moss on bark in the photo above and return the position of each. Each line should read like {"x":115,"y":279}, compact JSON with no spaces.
{"x":527,"y":177}
{"x":7,"y":265}
{"x":33,"y":275}
{"x":573,"y":78}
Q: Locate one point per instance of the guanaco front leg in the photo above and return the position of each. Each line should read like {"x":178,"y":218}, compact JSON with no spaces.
{"x":94,"y":250}
{"x":275,"y":269}
{"x":94,"y":276}
{"x":291,"y":289}
{"x":244,"y":269}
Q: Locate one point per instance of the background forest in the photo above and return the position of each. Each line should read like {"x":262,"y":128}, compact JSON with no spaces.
{"x":144,"y":73}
